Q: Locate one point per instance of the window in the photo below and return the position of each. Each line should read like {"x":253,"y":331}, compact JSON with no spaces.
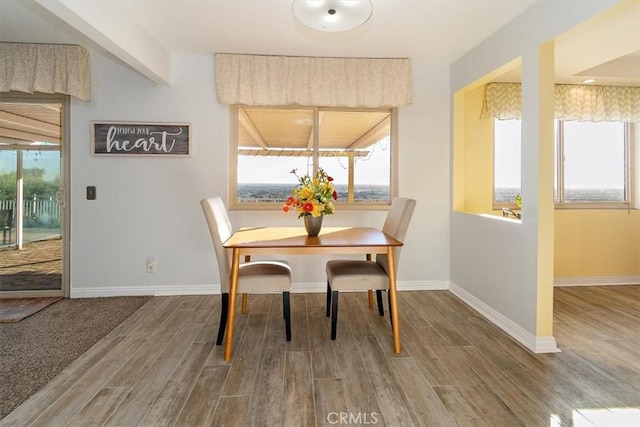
{"x":594,"y":166}
{"x":592,"y":163}
{"x":352,"y":146}
{"x":506,"y":161}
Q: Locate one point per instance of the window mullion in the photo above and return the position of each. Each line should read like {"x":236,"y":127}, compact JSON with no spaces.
{"x":316,"y":140}
{"x":628,"y":165}
{"x":560,"y":162}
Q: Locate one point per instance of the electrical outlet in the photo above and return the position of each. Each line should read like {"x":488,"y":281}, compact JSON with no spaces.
{"x":151,"y":265}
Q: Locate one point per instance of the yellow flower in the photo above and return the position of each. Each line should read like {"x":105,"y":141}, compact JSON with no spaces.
{"x":329,"y":208}
{"x":318,"y":208}
{"x":306,"y":193}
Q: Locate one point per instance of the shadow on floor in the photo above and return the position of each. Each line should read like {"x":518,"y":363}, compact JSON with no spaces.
{"x":37,"y":266}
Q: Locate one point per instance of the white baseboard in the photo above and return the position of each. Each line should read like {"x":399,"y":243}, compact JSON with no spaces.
{"x":536,"y":344}
{"x":596,"y":281}
{"x":424,"y":285}
{"x":128,"y":291}
{"x":429,"y":285}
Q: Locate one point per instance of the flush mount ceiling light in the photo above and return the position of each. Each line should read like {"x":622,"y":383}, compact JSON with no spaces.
{"x":332,"y":15}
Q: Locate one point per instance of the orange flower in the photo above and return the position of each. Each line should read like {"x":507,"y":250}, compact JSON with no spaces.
{"x":307,"y":207}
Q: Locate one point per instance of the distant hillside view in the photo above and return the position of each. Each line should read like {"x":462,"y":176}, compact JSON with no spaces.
{"x":508,"y":195}
{"x":278,"y":193}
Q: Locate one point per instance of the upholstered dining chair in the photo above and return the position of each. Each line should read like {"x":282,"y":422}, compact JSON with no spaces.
{"x":256,"y":277}
{"x":361,"y":275}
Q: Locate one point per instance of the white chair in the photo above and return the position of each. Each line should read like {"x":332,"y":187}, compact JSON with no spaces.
{"x":360,"y":275}
{"x":256,"y":277}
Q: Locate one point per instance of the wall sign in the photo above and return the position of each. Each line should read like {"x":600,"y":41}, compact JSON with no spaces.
{"x":146,"y":139}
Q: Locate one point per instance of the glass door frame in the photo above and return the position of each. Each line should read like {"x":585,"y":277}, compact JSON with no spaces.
{"x":65,"y":167}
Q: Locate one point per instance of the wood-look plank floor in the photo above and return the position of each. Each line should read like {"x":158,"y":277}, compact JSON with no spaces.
{"x":161,"y":367}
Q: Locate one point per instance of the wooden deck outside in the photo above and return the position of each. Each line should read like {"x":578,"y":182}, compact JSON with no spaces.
{"x":37,"y":266}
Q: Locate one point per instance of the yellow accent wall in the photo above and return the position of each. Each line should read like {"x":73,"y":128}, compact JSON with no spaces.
{"x":597,"y":243}
{"x":587,"y":243}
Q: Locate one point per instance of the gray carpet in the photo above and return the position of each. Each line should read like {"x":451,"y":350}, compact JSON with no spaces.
{"x":34,"y":350}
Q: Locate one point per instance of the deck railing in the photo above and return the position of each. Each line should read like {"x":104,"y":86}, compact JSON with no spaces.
{"x":36,"y":213}
{"x":40,"y":221}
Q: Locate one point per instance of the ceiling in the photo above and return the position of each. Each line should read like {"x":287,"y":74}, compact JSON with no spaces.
{"x":430,"y":31}
{"x":605,"y":48}
{"x":427,"y":31}
{"x":146,"y":34}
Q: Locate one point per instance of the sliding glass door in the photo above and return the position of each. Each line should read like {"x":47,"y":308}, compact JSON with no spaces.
{"x":32,"y":197}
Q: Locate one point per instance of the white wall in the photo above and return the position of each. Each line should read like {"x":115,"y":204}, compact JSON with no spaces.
{"x":150,"y":206}
{"x":494,"y":263}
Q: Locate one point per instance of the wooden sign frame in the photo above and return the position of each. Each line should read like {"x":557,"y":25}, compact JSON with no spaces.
{"x":140,"y":139}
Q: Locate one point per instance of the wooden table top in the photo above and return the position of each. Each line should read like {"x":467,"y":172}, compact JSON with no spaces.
{"x":296,"y":237}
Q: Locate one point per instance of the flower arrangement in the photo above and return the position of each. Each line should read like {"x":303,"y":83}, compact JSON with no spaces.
{"x":518,"y":201}
{"x":312,"y":196}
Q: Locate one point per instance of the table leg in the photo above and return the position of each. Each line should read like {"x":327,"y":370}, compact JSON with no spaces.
{"x":393,"y":297}
{"x":233,"y":292}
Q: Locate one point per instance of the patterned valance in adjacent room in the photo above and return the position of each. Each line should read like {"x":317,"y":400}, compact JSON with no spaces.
{"x":313,"y":81}
{"x":572,"y":102}
{"x":45,"y":68}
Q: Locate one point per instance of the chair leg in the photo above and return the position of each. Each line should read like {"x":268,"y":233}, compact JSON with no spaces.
{"x":286,"y":306}
{"x":379,"y":298}
{"x":223,"y":318}
{"x":244,"y":303}
{"x":370,"y":293}
{"x":334,"y":314}
{"x":328,"y":299}
{"x":389,"y":302}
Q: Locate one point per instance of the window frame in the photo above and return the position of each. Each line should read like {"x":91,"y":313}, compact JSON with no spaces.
{"x":630,"y":165}
{"x":234,"y":204}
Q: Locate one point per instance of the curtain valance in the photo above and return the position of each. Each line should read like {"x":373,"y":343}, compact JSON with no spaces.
{"x":46,"y":68}
{"x":313,"y":81}
{"x":572,"y":102}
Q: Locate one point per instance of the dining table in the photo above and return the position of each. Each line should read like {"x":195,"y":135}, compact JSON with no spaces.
{"x":249,"y":241}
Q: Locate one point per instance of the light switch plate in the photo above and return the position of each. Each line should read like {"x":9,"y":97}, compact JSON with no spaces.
{"x":91,"y":192}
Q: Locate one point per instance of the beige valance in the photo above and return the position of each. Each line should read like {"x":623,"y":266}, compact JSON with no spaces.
{"x":313,"y":81}
{"x":572,"y":102}
{"x":45,"y":68}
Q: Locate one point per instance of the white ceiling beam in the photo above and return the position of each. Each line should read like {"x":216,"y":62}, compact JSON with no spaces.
{"x":11,"y":120}
{"x":251,"y":129}
{"x":300,"y":153}
{"x":27,"y":136}
{"x":111,"y":26}
{"x":373,"y":135}
{"x":25,"y":146}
